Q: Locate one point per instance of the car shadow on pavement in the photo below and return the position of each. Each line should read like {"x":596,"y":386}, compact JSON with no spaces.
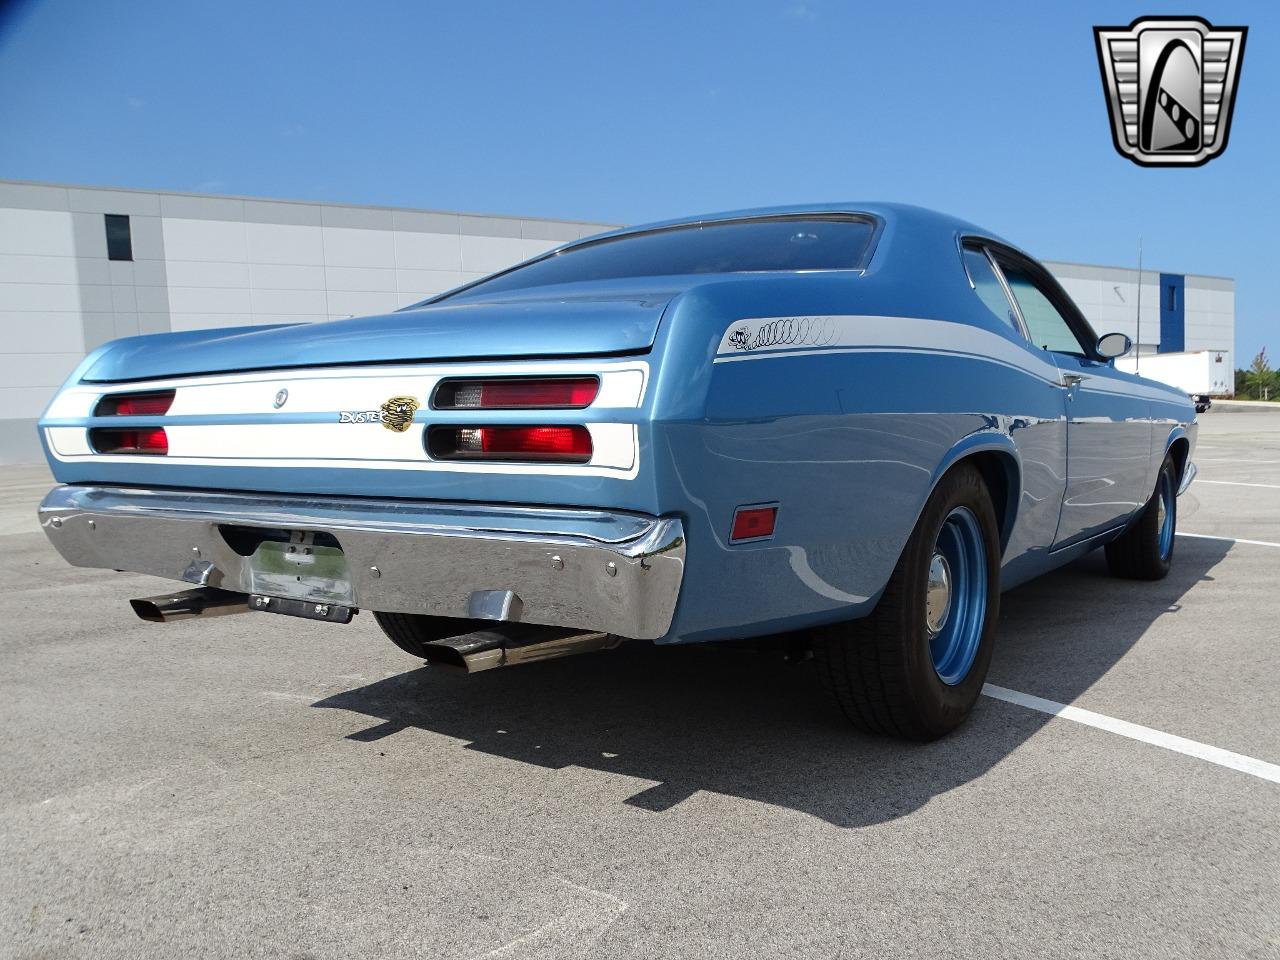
{"x":750,"y":725}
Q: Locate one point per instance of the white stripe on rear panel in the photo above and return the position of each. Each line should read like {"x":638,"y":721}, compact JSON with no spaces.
{"x":364,"y":446}
{"x":348,"y":445}
{"x":323,"y":390}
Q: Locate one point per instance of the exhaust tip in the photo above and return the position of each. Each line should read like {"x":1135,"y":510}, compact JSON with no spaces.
{"x":202,"y":602}
{"x":147,"y":610}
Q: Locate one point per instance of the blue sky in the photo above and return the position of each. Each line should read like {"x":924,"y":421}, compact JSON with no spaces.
{"x":631,"y":112}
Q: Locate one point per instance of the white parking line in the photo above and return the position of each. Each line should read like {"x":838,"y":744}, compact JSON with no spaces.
{"x":1237,"y":483}
{"x":1200,"y":460}
{"x":1206,"y":536}
{"x":1192,"y":748}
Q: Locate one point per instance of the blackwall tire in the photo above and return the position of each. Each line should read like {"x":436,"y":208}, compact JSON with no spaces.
{"x":1145,"y":550}
{"x":410,"y":631}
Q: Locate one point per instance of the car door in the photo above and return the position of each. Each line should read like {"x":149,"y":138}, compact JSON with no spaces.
{"x":1108,"y":422}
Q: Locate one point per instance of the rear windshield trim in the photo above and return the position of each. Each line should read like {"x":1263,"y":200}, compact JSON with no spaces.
{"x":868,"y":251}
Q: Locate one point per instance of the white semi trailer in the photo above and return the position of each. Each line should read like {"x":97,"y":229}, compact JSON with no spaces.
{"x":1201,"y":374}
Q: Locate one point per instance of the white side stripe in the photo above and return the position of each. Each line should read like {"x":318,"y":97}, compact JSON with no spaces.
{"x":1191,"y":748}
{"x":1206,"y":536}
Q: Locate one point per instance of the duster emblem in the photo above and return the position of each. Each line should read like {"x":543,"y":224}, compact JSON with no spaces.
{"x":282,"y":396}
{"x":397,"y":413}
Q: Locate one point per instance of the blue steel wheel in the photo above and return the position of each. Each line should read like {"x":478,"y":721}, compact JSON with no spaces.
{"x":914,"y":666}
{"x":956,"y":595}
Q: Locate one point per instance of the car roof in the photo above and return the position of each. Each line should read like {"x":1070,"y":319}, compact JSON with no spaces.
{"x":905,"y":214}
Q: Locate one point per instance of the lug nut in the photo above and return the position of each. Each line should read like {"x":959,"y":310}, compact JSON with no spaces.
{"x":557,"y":562}
{"x":611,"y":568}
{"x":375,"y":572}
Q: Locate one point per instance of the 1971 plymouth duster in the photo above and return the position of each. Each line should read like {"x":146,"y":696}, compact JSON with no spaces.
{"x":851,"y":423}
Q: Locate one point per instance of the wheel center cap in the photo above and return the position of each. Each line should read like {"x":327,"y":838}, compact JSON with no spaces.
{"x":937,"y":605}
{"x":1160,"y":513}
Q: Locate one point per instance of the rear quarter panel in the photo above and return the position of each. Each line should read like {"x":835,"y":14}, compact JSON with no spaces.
{"x":847,"y":432}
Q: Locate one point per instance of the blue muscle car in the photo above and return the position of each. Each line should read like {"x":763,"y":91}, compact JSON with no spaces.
{"x":853,"y":424}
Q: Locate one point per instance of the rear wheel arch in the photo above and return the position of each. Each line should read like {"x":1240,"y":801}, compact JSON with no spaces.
{"x":1001,"y":471}
{"x":1003,"y":477}
{"x":1180,"y":450}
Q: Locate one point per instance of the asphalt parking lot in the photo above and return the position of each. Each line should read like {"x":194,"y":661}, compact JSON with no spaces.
{"x":261,"y":786}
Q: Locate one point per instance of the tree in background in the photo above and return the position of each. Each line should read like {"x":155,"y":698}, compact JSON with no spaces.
{"x":1260,"y":379}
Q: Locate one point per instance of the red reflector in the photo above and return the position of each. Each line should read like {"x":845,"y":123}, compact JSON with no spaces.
{"x":135,"y":404}
{"x":752,"y":523}
{"x":566,"y":393}
{"x":147,"y":440}
{"x":554,"y":444}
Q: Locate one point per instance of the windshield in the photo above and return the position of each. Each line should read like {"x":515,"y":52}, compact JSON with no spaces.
{"x":832,"y":242}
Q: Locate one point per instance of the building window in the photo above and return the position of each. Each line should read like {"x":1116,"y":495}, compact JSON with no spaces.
{"x":1173,"y":296}
{"x":119,"y":239}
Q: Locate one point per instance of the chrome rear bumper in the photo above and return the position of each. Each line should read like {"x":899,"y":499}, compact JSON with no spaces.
{"x":613,"y":572}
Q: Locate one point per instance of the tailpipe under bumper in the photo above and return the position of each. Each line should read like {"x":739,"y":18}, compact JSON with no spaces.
{"x":204,"y":602}
{"x":509,"y":644}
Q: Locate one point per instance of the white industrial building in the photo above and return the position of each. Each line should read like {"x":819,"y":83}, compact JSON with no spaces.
{"x":83,"y":265}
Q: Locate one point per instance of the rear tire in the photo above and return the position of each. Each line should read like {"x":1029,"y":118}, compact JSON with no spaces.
{"x":410,"y":631}
{"x":914,"y":667}
{"x":1145,"y":550}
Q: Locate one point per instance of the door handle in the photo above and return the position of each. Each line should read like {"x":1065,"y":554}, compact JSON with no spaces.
{"x":1070,"y":380}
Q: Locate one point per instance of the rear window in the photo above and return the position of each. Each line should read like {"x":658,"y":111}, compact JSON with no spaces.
{"x":732,"y":246}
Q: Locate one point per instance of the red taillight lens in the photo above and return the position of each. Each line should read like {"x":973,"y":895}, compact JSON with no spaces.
{"x":570,"y":444}
{"x":543,"y":393}
{"x":135,"y":404}
{"x":753,"y":523}
{"x":148,"y":441}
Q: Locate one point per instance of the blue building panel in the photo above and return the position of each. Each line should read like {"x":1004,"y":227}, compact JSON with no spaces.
{"x":1173,"y":314}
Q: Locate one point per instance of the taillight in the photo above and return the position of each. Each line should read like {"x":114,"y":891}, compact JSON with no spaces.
{"x":149,"y":440}
{"x":155,"y":404}
{"x":571,"y":444}
{"x":523,"y":393}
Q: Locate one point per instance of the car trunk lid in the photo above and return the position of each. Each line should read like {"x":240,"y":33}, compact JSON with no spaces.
{"x":579,"y":320}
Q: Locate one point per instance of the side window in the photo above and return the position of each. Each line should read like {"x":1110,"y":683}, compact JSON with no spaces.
{"x":988,"y":287}
{"x":1048,"y":328}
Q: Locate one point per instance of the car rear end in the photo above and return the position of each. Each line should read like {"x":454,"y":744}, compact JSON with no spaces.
{"x":563,"y":455}
{"x":433,"y":488}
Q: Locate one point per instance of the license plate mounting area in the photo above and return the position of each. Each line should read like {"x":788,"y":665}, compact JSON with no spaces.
{"x":300,"y":565}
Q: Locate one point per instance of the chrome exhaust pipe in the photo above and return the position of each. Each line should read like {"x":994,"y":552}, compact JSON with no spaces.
{"x":509,"y":644}
{"x":204,"y":602}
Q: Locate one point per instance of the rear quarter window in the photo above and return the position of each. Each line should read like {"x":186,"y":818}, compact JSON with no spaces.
{"x":989,"y":288}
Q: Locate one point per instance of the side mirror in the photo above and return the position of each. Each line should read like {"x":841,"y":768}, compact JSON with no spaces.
{"x":1113,"y":345}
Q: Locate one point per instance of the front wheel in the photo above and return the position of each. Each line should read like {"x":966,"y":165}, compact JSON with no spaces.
{"x":1145,"y":550}
{"x":914,"y":667}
